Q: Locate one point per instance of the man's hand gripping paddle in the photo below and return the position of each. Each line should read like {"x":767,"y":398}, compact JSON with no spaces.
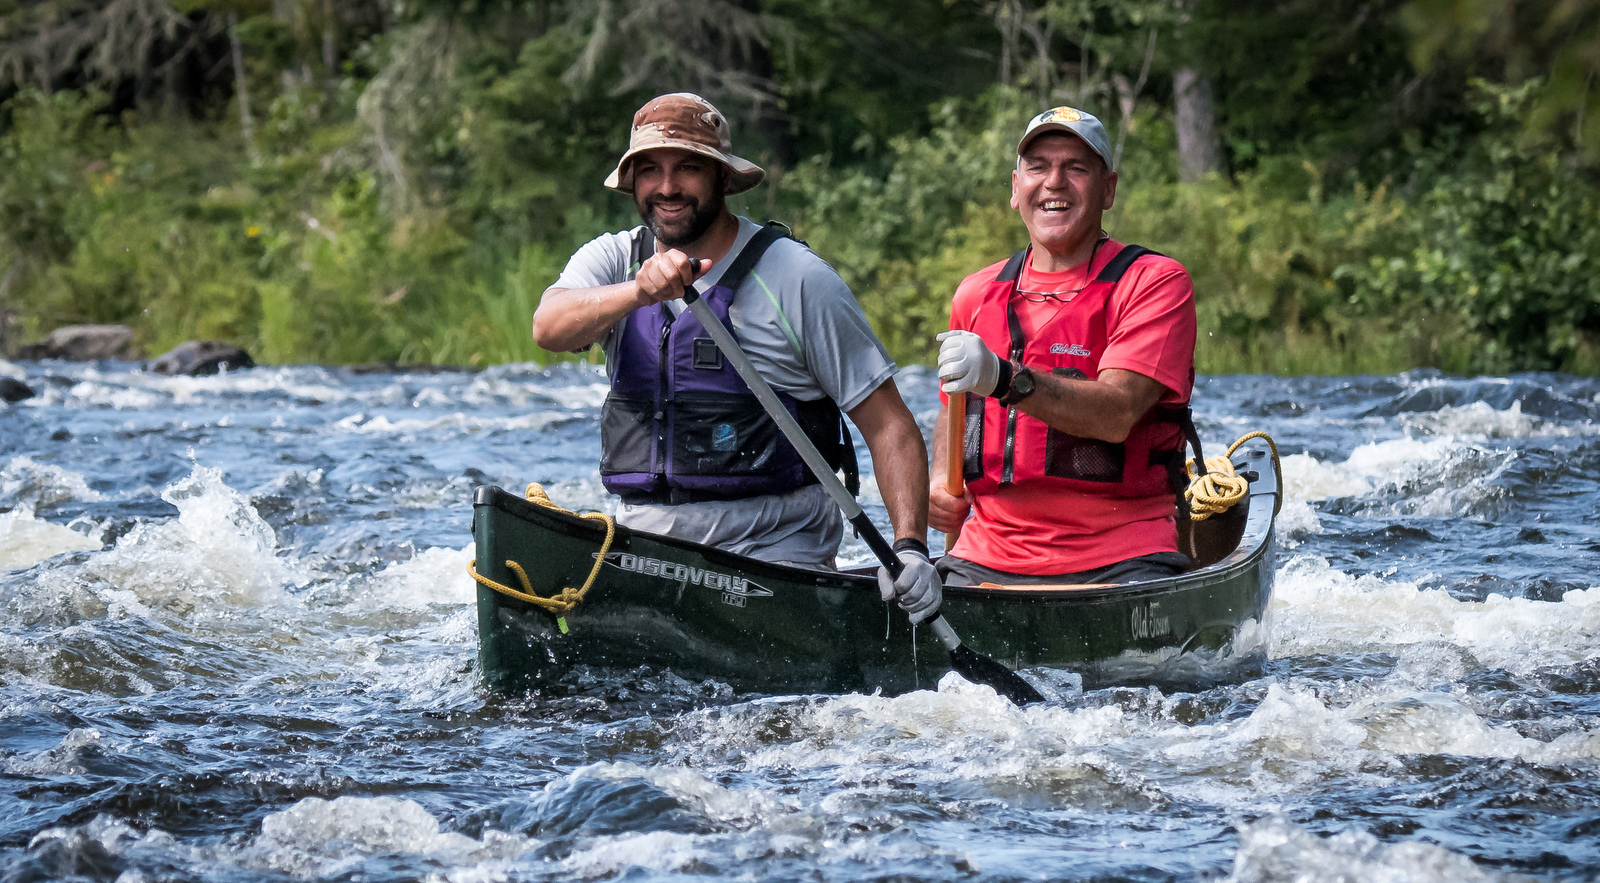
{"x":971,"y":664}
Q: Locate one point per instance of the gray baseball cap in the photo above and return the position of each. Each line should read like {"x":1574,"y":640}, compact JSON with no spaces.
{"x":1069,"y":119}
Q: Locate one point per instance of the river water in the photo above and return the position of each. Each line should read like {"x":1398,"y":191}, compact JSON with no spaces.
{"x":237,"y":642}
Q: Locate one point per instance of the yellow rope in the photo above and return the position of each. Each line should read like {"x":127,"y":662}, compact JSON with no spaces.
{"x":1221,"y":486}
{"x":569,"y":598}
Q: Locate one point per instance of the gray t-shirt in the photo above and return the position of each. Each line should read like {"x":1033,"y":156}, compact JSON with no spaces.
{"x":794,"y":316}
{"x":805,"y":333}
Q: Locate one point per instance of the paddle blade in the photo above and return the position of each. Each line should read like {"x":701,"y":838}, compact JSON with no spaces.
{"x":980,"y":669}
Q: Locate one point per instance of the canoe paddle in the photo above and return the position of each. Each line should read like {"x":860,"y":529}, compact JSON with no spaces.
{"x":971,"y":664}
{"x":955,"y":450}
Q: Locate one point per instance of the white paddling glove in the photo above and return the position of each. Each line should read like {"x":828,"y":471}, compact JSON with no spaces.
{"x":966,"y":364}
{"x":918,"y":587}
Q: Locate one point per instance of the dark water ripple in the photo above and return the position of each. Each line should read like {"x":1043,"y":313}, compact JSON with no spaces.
{"x":237,"y":643}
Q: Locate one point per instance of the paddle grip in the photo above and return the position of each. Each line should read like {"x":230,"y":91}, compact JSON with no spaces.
{"x":689,"y":294}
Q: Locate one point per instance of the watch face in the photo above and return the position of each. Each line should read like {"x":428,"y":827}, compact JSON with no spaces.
{"x":1022,"y":382}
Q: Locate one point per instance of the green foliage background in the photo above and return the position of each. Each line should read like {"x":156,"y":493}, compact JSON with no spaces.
{"x":1410,"y":182}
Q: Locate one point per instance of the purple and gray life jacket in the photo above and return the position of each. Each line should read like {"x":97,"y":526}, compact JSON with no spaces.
{"x":681,"y":426}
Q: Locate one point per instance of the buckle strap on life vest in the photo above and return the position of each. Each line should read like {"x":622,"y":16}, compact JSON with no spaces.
{"x":1183,"y":416}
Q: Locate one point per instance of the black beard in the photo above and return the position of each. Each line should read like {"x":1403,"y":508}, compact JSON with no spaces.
{"x":701,"y":217}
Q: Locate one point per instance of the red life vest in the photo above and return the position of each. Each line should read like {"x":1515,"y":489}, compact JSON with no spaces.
{"x":1005,"y":446}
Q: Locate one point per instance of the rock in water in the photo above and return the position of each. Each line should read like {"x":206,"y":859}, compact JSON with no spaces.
{"x":84,"y":343}
{"x":13,"y":390}
{"x":197,"y":357}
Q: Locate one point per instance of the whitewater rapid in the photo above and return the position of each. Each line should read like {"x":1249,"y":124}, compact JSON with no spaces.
{"x":237,"y":641}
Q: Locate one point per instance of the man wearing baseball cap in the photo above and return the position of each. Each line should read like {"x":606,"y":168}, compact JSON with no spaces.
{"x":684,"y":442}
{"x":1077,"y":355}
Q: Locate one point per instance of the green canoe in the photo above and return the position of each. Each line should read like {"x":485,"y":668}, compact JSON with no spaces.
{"x":706,"y":613}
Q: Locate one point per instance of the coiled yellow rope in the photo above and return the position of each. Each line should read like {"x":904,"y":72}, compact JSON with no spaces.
{"x":1221,"y":486}
{"x":569,"y":598}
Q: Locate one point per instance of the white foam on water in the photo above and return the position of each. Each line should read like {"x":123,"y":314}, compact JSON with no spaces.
{"x":218,"y":551}
{"x":329,"y":838}
{"x":1319,"y":609}
{"x":739,"y":808}
{"x":1480,"y":420}
{"x":1275,"y":850}
{"x":1297,"y":520}
{"x":104,"y":394}
{"x":962,"y":732}
{"x":42,"y":484}
{"x":25,"y":540}
{"x":22,"y":659}
{"x":1287,"y":745}
{"x":610,"y":856}
{"x":580,"y":388}
{"x":1430,"y":722}
{"x":432,"y":576}
{"x":1477,"y":418}
{"x":65,"y":759}
{"x":1307,"y":478}
{"x":433,"y":396}
{"x":298,"y":382}
{"x":1369,"y":466}
{"x":459,"y":422}
{"x":134,"y":390}
{"x":1444,"y":476}
{"x":764,"y":824}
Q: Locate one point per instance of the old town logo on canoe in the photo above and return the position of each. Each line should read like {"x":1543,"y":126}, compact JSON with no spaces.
{"x":735,"y":589}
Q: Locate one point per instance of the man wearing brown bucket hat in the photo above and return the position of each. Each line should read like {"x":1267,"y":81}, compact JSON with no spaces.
{"x":1077,"y":355}
{"x":684,"y":443}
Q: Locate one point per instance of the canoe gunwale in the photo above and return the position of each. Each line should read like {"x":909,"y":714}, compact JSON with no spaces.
{"x":1263,"y":502}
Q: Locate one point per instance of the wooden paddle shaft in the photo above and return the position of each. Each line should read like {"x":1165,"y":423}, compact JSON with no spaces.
{"x":955,"y":439}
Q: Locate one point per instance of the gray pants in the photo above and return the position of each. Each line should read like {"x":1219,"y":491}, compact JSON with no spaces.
{"x":961,"y":572}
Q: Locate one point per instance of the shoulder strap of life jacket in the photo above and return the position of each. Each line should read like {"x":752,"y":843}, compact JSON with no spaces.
{"x":1113,"y":270}
{"x":1013,"y":267}
{"x":644,"y":245}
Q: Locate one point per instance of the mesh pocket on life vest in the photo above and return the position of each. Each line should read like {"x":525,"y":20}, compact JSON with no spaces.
{"x":1085,"y":459}
{"x":627,"y":434}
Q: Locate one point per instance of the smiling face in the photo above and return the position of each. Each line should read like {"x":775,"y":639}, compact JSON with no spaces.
{"x":679,"y":193}
{"x":1061,"y":187}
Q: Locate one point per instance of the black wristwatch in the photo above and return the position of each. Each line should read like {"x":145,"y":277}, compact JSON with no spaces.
{"x":1021,"y":385}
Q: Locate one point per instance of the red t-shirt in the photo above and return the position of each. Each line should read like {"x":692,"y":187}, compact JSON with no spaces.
{"x":1150,"y":328}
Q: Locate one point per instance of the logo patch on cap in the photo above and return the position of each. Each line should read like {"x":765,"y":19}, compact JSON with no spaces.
{"x":1060,"y":115}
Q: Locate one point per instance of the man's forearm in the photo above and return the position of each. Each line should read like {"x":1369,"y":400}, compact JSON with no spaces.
{"x":899,"y":458}
{"x":1106,"y":408}
{"x":570,"y":319}
{"x":898,"y":461}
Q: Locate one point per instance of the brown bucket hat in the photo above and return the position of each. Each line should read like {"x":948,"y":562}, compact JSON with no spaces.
{"x":689,"y":122}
